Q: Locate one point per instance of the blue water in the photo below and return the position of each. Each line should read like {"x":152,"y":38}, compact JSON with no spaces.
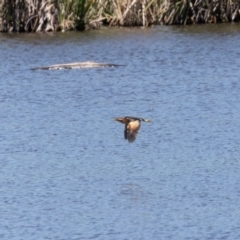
{"x":66,"y":171}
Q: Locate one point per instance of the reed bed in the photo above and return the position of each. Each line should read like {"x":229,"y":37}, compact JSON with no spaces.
{"x":62,"y":15}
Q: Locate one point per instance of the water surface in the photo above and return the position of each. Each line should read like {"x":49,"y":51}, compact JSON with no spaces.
{"x":66,"y":171}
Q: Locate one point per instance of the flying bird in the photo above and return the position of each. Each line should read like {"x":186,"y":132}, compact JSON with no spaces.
{"x":132,"y":126}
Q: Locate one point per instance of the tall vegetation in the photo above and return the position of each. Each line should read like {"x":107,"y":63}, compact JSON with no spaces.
{"x":79,"y":13}
{"x":54,"y":15}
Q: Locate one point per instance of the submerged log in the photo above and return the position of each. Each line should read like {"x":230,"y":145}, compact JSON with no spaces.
{"x":77,"y":65}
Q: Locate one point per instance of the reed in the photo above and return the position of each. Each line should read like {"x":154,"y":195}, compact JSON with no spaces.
{"x":76,"y":14}
{"x":81,"y":7}
{"x":66,"y":18}
{"x":53,"y":15}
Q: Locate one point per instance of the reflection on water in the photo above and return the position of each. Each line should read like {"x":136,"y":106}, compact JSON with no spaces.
{"x":67,"y":172}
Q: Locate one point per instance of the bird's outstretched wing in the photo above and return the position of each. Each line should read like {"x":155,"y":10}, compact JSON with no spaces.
{"x":131,"y":130}
{"x":125,"y":132}
{"x":131,"y":135}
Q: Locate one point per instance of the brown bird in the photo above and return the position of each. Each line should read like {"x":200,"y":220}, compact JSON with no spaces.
{"x":132,"y":126}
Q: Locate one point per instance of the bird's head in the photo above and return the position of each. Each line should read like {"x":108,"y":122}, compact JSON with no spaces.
{"x":121,"y":120}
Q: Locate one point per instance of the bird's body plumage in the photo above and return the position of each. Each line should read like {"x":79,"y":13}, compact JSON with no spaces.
{"x":132,"y":126}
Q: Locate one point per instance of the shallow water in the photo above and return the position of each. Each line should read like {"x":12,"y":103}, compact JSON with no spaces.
{"x":66,"y":171}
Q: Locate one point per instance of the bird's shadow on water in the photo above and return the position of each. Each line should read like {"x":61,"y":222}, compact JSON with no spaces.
{"x":132,"y":192}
